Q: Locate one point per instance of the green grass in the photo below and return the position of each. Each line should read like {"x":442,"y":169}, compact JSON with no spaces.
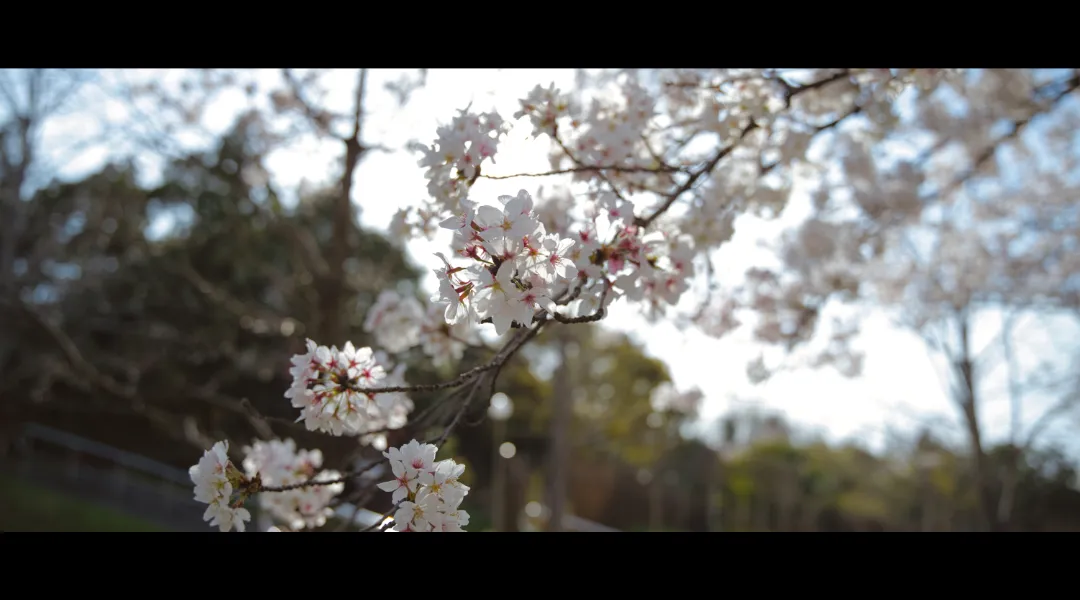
{"x":25,"y":507}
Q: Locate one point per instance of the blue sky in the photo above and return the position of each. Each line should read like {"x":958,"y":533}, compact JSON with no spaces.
{"x":899,"y":387}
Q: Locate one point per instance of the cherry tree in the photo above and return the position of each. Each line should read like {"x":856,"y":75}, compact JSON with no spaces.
{"x":954,"y":208}
{"x":654,"y":169}
{"x":651,"y":173}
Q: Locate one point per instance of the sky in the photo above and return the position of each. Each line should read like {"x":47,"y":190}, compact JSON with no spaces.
{"x":900,"y":388}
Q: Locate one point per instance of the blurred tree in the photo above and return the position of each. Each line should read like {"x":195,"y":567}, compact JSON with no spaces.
{"x":623,"y":418}
{"x":29,"y":98}
{"x":184,"y":325}
{"x":775,"y":484}
{"x":972,"y":224}
{"x":293,"y":108}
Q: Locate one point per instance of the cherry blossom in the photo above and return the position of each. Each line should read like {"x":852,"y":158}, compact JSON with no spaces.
{"x":215,"y":480}
{"x":427,"y":494}
{"x":279,"y":463}
{"x":455,"y":158}
{"x":328,"y":386}
{"x":401,"y":323}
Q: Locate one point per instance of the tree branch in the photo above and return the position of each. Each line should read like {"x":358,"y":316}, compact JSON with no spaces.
{"x":588,"y":169}
{"x":715,"y":160}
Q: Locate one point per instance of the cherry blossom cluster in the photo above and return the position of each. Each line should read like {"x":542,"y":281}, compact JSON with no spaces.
{"x":400,"y":323}
{"x":329,"y":387}
{"x":452,"y":164}
{"x":519,"y":264}
{"x":546,"y":109}
{"x":427,"y":494}
{"x":519,"y":267}
{"x":662,"y":267}
{"x":453,"y":161}
{"x":216,"y":480}
{"x":279,"y":463}
{"x":874,"y":213}
{"x":609,"y":133}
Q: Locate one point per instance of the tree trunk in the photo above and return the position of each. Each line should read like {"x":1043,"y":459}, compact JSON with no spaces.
{"x":1009,"y":480}
{"x":12,"y":180}
{"x":968,"y":400}
{"x":334,"y":289}
{"x":498,"y":469}
{"x":519,"y":473}
{"x":560,"y":447}
{"x":1011,"y":473}
{"x":712,"y":495}
{"x":656,"y":504}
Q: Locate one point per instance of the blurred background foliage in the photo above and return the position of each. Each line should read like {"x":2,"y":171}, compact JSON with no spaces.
{"x":158,"y":343}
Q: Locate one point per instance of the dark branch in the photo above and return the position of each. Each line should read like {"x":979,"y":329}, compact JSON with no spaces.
{"x":685,"y":187}
{"x":589,"y":169}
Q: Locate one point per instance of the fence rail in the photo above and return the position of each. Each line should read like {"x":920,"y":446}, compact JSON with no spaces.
{"x":133,"y":462}
{"x":160,"y":493}
{"x":133,"y":484}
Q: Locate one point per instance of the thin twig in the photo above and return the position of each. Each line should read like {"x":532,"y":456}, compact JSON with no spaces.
{"x":313,"y":481}
{"x":589,"y":169}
